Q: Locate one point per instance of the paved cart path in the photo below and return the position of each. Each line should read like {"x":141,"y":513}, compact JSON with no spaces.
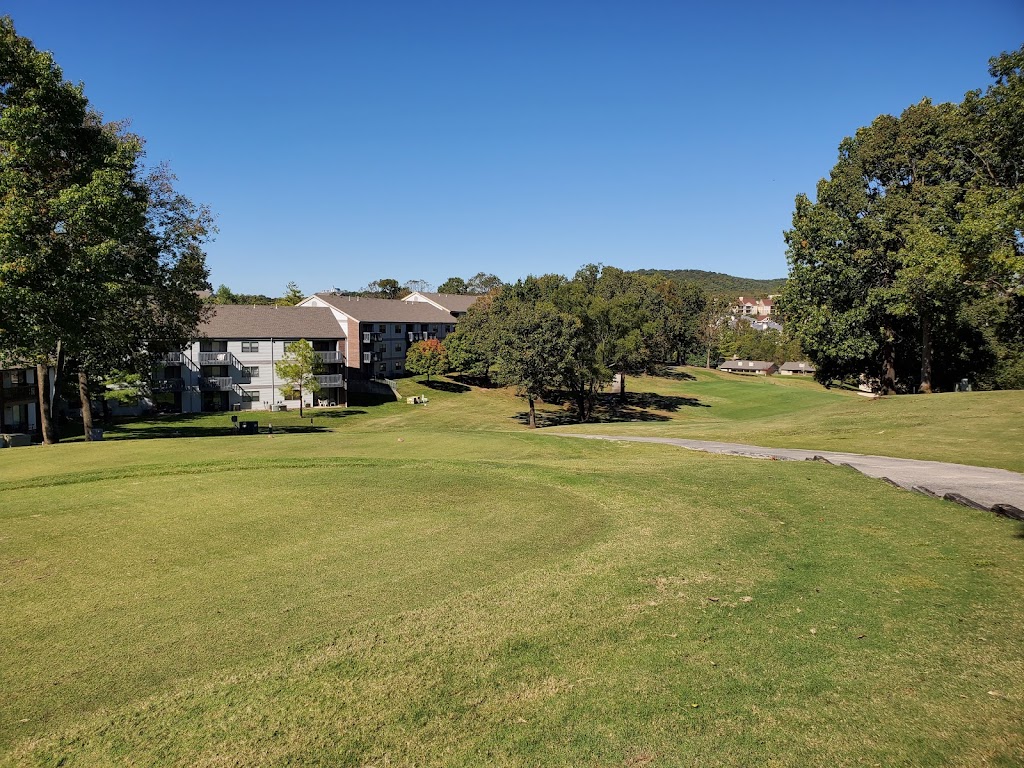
{"x":984,"y":486}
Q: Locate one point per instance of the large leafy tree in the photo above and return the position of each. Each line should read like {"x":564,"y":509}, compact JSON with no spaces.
{"x":94,"y":257}
{"x":453,"y":285}
{"x":919,"y":222}
{"x":472,"y":348}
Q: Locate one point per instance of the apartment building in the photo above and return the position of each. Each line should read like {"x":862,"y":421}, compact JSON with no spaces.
{"x":231,"y":366}
{"x":19,"y":401}
{"x":378,"y":332}
{"x":454,"y":304}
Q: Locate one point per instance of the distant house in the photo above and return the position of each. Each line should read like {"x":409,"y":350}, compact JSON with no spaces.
{"x":456,"y":304}
{"x":798,"y":368}
{"x":754,"y":307}
{"x":756,"y":367}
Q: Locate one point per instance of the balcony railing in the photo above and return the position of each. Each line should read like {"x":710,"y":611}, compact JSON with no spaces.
{"x":169,"y":385}
{"x":331,"y":380}
{"x":371,"y":357}
{"x":332,"y":357}
{"x":416,"y":337}
{"x":370,"y":337}
{"x":217,"y":358}
{"x":18,"y":392}
{"x":216,"y":383}
{"x":173,"y":358}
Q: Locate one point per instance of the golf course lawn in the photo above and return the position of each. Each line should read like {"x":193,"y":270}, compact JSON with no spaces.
{"x":438,"y":585}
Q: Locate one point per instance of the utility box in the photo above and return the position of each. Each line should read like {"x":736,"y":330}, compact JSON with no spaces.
{"x":248,"y":427}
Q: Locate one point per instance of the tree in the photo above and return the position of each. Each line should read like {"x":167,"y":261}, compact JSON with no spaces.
{"x":712,"y":323}
{"x":387,"y":288}
{"x":427,"y":357}
{"x":298,"y":369}
{"x":292,"y":296}
{"x":472,"y":348}
{"x":453,"y":285}
{"x":482,"y":283}
{"x":94,"y":257}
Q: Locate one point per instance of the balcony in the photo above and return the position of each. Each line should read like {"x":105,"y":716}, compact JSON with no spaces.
{"x":169,"y":385}
{"x":18,"y":392}
{"x":331,"y":380}
{"x":413,"y":337}
{"x":216,"y":384}
{"x":173,"y":358}
{"x":371,"y":357}
{"x":332,"y":357}
{"x":372,"y":337}
{"x":217,"y":358}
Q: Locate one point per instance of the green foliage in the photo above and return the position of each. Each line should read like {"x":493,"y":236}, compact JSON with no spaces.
{"x":427,"y":357}
{"x":744,"y":342}
{"x":292,"y":296}
{"x":719,"y":285}
{"x":386,"y":288}
{"x":918,"y":223}
{"x":99,"y":261}
{"x":224,"y":295}
{"x":453,"y":285}
{"x":483,"y":282}
{"x":298,"y":368}
{"x":473,"y":347}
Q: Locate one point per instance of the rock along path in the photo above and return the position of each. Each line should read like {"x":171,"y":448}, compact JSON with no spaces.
{"x":998,"y":490}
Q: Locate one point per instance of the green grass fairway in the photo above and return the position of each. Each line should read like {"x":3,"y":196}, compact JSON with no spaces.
{"x":980,"y":428}
{"x":434,"y":586}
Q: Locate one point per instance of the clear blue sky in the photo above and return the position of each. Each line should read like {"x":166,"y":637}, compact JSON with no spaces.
{"x":343,"y":142}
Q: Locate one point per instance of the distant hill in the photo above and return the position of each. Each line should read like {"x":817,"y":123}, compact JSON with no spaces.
{"x":718,"y":284}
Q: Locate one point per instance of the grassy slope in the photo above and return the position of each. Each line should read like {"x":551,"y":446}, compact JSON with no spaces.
{"x":980,"y":428}
{"x":439,"y":586}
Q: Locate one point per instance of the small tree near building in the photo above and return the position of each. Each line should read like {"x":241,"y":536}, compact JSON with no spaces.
{"x":427,"y":357}
{"x":298,"y":369}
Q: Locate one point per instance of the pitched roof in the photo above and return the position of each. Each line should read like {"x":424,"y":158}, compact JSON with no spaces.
{"x":799,"y":365}
{"x":386,"y":310}
{"x":453,"y":302}
{"x":746,"y":365}
{"x":244,"y":321}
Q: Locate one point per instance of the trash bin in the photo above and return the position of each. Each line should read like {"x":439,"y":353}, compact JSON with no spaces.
{"x":95,"y":434}
{"x":248,"y":427}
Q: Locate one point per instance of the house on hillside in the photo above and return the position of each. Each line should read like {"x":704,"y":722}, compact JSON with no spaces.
{"x":231,"y":366}
{"x":454,"y":303}
{"x":754,"y":307}
{"x":378,"y":332}
{"x":756,"y":367}
{"x":798,"y":368}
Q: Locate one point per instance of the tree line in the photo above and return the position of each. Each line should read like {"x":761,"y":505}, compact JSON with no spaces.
{"x":908,"y":267}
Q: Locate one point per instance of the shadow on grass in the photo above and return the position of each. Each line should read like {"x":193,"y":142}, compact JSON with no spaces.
{"x":165,"y":431}
{"x":370,"y":399}
{"x":338,"y":414}
{"x":446,"y":386}
{"x":639,"y":407}
{"x":481,"y":382}
{"x":673,"y":373}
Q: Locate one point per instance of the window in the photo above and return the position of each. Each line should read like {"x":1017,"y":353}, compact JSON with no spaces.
{"x":449,"y":328}
{"x":252,"y":371}
{"x":398,"y":366}
{"x":250,"y":346}
{"x":433,"y":328}
{"x":250,"y":396}
{"x":382,"y":328}
{"x":383,"y":367}
{"x":398,"y":347}
{"x":398,"y":329}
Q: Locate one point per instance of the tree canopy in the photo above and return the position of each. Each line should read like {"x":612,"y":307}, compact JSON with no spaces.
{"x":298,"y":368}
{"x":427,"y":357}
{"x":100,"y":261}
{"x":912,"y":241}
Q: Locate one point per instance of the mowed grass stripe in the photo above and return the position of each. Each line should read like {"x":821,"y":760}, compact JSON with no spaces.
{"x":599,"y":656}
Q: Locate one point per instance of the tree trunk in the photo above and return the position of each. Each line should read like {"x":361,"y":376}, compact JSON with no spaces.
{"x":45,"y":416}
{"x":926,"y":355}
{"x":622,"y":387}
{"x":708,"y":363}
{"x":533,"y":414}
{"x":300,"y":402}
{"x":83,"y":396}
{"x":888,"y":383}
